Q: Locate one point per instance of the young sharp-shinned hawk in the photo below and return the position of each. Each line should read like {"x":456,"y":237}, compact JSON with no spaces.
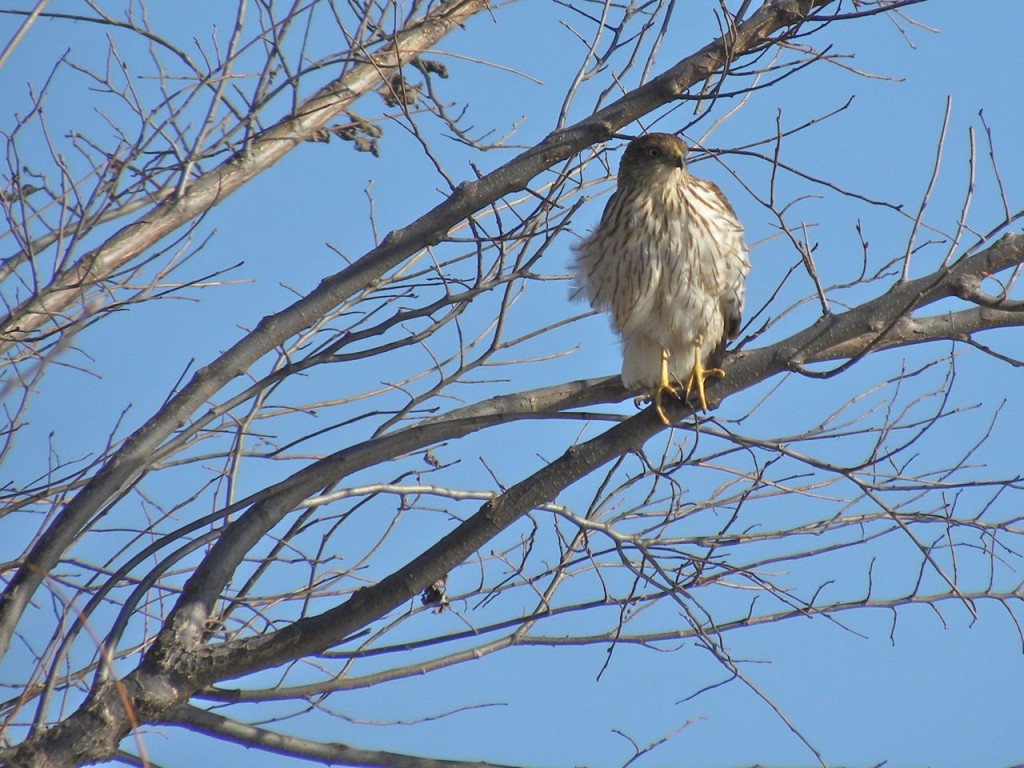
{"x":668,"y":262}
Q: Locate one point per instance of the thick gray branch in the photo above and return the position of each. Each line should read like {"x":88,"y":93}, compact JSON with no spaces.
{"x":292,"y":746}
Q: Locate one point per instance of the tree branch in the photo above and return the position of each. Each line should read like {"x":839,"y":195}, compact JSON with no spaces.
{"x":293,"y":746}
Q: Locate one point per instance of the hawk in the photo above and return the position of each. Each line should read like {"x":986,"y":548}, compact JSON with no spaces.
{"x":668,"y":263}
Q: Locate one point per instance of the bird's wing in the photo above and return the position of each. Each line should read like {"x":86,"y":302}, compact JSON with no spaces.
{"x":732,"y":298}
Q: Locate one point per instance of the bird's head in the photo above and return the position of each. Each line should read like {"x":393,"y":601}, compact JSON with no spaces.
{"x":654,"y":154}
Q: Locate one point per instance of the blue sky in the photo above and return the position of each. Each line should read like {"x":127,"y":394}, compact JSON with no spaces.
{"x":920,"y":687}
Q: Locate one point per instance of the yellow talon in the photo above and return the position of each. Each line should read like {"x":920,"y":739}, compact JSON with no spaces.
{"x":664,"y":385}
{"x":699,"y":375}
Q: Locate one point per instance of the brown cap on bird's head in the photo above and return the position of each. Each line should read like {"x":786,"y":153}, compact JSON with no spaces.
{"x":650,"y":151}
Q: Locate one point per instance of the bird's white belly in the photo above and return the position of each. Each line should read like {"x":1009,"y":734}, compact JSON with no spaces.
{"x":669,"y":306}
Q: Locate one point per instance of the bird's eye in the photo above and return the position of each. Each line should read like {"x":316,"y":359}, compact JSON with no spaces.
{"x":654,"y":152}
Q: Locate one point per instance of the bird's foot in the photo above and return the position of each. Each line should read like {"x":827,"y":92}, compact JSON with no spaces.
{"x":699,"y":375}
{"x":664,"y":385}
{"x":656,"y":399}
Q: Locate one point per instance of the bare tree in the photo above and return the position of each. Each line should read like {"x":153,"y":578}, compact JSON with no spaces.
{"x":328,"y":505}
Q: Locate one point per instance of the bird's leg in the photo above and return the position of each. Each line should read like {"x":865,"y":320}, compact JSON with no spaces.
{"x":700,"y":374}
{"x":664,"y":385}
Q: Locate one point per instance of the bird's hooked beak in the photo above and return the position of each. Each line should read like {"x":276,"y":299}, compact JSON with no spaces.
{"x":680,"y":159}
